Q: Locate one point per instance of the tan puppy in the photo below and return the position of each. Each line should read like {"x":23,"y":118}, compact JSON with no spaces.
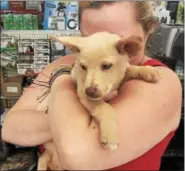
{"x":102,"y":65}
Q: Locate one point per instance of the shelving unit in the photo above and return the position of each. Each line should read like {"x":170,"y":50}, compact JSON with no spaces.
{"x":37,"y":34}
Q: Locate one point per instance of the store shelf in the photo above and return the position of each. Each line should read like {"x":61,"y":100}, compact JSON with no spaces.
{"x":38,"y":34}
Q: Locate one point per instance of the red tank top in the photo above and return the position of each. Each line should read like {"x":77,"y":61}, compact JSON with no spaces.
{"x":151,"y":160}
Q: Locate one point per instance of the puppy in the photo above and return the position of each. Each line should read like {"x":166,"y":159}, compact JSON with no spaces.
{"x":101,"y":66}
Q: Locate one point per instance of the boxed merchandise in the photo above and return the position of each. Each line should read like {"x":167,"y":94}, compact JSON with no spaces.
{"x":25,"y":47}
{"x":27,"y":22}
{"x":42,"y":57}
{"x":17,"y":5}
{"x":54,"y":15}
{"x":41,"y":46}
{"x":39,"y":66}
{"x":9,"y":102}
{"x":7,"y":21}
{"x":42,"y":50}
{"x":9,"y":60}
{"x":5,"y":5}
{"x":35,"y":22}
{"x":12,"y":87}
{"x":33,"y":5}
{"x":72,"y":21}
{"x":8,"y":44}
{"x":18,"y":21}
{"x":25,"y":69}
{"x":57,"y":50}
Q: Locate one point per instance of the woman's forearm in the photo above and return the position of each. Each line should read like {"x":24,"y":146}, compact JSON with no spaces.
{"x":20,"y":128}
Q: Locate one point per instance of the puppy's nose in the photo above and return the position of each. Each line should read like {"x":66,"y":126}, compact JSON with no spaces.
{"x":91,"y":91}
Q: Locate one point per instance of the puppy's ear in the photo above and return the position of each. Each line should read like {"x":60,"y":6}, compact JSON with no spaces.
{"x":131,"y":45}
{"x":74,"y":43}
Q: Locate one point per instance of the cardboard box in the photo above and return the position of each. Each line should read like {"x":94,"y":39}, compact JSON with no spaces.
{"x":17,"y":5}
{"x":9,"y":102}
{"x":12,"y":87}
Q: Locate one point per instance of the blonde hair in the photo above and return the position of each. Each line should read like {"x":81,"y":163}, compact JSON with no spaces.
{"x":144,"y":12}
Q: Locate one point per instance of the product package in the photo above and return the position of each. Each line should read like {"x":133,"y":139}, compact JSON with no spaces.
{"x":72,"y":16}
{"x":9,"y":60}
{"x":38,"y":66}
{"x":35,"y":22}
{"x":57,"y":50}
{"x":42,"y":55}
{"x":8,"y":44}
{"x":27,"y":22}
{"x":9,"y":102}
{"x":18,"y":21}
{"x":33,"y":5}
{"x":26,"y":47}
{"x":5,"y":5}
{"x":54,"y":15}
{"x":8,"y":21}
{"x":17,"y":5}
{"x":42,"y":50}
{"x":25,"y":69}
{"x":12,"y":87}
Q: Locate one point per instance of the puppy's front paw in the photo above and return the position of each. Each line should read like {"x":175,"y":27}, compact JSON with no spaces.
{"x":109,"y":134}
{"x":149,"y":74}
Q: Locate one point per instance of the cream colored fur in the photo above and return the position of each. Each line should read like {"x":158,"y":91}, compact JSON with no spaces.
{"x":102,"y":63}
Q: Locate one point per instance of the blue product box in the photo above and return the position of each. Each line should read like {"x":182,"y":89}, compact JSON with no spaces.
{"x":54,"y":15}
{"x":72,"y":16}
{"x":5,"y":5}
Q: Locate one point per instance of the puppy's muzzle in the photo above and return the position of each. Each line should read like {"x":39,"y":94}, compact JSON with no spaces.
{"x":92,"y":92}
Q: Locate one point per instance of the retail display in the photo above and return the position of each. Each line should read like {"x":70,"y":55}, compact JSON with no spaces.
{"x":60,"y":15}
{"x":26,"y":50}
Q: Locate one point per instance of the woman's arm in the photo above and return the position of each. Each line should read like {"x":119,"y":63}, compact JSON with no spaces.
{"x":23,"y":125}
{"x":146,"y":113}
{"x":26,"y":128}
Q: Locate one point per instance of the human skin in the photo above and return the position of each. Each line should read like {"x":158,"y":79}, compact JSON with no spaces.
{"x":150,"y":110}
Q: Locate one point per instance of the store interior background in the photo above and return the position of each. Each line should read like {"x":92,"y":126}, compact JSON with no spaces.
{"x":26,"y":50}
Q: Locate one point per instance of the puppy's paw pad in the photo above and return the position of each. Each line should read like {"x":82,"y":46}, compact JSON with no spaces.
{"x":150,"y":74}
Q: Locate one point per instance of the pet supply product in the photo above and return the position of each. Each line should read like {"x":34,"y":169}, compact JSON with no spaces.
{"x":27,"y":22}
{"x":54,"y":15}
{"x":38,"y":66}
{"x":25,"y":69}
{"x":12,"y":87}
{"x":25,"y":47}
{"x":5,"y":5}
{"x":17,"y":5}
{"x":8,"y":44}
{"x":57,"y":50}
{"x":35,"y":22}
{"x":8,"y":21}
{"x":18,"y":22}
{"x":42,"y":50}
{"x":33,"y":5}
{"x":72,"y":14}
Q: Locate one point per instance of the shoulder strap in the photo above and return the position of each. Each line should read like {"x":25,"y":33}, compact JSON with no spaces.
{"x":154,"y":62}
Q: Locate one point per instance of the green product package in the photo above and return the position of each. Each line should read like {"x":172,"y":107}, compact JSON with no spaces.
{"x":8,"y":21}
{"x":27,"y":22}
{"x":18,"y":22}
{"x":35,"y":22}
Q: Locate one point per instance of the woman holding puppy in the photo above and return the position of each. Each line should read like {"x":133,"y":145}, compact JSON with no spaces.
{"x":148,"y":114}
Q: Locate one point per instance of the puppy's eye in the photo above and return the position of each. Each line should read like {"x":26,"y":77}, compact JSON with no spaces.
{"x":83,"y":67}
{"x":106,"y":66}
